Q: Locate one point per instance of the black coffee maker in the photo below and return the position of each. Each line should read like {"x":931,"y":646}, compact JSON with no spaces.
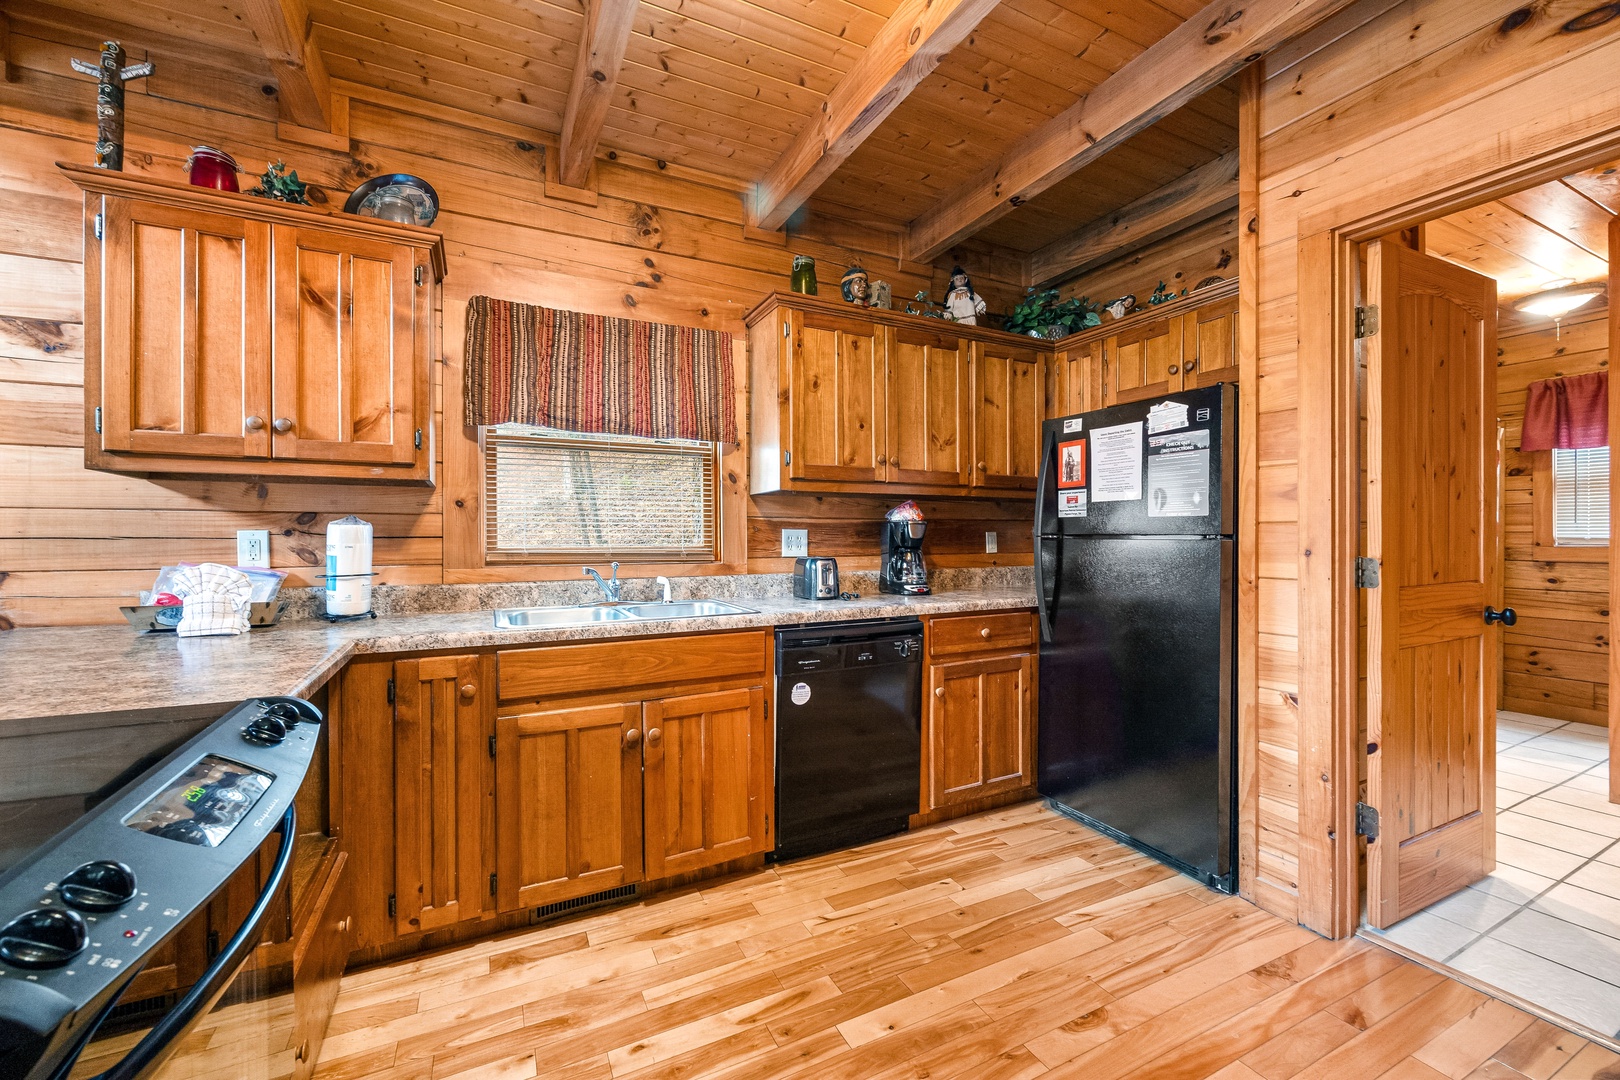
{"x":903,"y":570}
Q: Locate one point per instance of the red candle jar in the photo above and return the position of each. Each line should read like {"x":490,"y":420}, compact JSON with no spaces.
{"x":212,"y":168}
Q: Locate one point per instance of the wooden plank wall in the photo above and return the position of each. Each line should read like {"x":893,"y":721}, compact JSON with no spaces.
{"x":664,"y":242}
{"x":1555,"y":661}
{"x":1182,"y":260}
{"x":1381,"y":104}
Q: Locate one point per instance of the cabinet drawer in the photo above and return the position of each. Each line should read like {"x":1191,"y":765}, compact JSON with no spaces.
{"x":322,"y":951}
{"x":950,"y":635}
{"x":557,"y":670}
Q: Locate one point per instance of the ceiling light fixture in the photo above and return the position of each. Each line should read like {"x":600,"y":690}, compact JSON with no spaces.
{"x":1556,"y":303}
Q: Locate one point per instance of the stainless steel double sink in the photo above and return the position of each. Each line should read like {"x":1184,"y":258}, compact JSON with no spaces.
{"x":589,"y":614}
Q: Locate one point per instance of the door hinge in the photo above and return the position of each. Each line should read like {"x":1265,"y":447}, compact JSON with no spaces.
{"x":787,"y":330}
{"x":419,"y":438}
{"x":492,"y":746}
{"x":416,"y":275}
{"x":391,"y":906}
{"x":1366,"y":821}
{"x":98,"y":419}
{"x":787,"y":456}
{"x":492,"y":884}
{"x":390,"y":691}
{"x":1366,"y":573}
{"x":1366,"y":321}
{"x":101,"y":226}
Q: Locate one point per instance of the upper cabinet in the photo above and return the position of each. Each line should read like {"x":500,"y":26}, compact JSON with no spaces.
{"x":227,"y":334}
{"x":850,"y":399}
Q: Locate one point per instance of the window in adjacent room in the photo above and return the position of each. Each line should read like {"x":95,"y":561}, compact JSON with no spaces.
{"x":1580,"y":501}
{"x":556,"y":496}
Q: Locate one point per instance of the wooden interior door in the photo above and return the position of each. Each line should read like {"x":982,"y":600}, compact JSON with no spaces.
{"x":346,"y":382}
{"x":569,"y":800}
{"x":1432,"y":523}
{"x":1144,"y":362}
{"x":1209,"y":345}
{"x":444,"y":792}
{"x":927,"y":390}
{"x":978,"y":728}
{"x":1614,"y":505}
{"x":1008,"y":396}
{"x":185,"y":332}
{"x":836,"y":410}
{"x":707,"y":780}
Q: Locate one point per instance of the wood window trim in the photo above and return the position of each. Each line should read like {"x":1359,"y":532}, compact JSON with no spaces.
{"x":462,"y":496}
{"x":1544,"y":549}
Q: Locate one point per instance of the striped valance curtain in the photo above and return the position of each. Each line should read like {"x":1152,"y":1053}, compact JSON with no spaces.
{"x":596,"y":373}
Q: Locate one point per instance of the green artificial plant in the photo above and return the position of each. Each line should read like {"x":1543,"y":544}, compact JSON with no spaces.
{"x":283,"y":186}
{"x":1043,"y":315}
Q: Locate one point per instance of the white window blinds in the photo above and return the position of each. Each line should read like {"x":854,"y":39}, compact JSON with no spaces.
{"x":552,"y":495}
{"x":1581,"y":497}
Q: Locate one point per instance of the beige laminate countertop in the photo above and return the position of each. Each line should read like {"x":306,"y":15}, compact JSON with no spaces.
{"x":57,"y":678}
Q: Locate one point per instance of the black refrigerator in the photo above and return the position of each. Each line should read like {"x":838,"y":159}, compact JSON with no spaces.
{"x":1135,"y":565}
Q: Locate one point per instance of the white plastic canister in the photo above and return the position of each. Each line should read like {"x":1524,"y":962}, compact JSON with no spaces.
{"x":348,"y":566}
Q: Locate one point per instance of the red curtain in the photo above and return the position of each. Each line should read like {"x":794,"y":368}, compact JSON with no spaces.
{"x":1571,"y":413}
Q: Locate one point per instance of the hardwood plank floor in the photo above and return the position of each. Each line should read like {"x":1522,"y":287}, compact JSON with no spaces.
{"x":1010,"y":945}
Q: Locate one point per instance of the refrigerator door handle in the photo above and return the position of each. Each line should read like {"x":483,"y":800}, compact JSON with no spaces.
{"x":1043,"y":476}
{"x":1041,"y":607}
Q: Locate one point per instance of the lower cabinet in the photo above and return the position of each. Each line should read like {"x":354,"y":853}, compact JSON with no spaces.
{"x":979,"y":726}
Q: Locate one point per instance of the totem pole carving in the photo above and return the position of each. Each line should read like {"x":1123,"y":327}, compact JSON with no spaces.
{"x":112,"y":73}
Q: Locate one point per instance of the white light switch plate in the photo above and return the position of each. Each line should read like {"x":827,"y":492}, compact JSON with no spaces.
{"x":253,"y":547}
{"x":795,"y":542}
{"x":989,"y":543}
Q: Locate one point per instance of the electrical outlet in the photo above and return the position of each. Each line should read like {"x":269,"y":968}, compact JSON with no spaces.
{"x":989,"y":543}
{"x":253,"y":547}
{"x":795,"y":542}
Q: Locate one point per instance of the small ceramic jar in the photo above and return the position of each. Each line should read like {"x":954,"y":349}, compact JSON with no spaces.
{"x":212,"y":168}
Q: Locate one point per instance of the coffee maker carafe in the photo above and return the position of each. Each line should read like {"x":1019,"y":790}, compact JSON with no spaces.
{"x":903,"y":570}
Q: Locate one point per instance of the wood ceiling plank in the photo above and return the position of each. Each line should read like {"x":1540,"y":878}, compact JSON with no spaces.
{"x":1202,"y":193}
{"x":664,"y":35}
{"x":1198,"y":55}
{"x":596,"y":77}
{"x":544,"y":46}
{"x":1530,"y":241}
{"x":836,"y":53}
{"x":904,"y":52}
{"x":156,"y":30}
{"x":283,"y":29}
{"x":1515,"y":275}
{"x":1567,"y":212}
{"x":1601,"y":185}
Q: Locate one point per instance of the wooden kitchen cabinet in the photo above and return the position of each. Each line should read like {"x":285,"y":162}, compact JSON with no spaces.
{"x":569,"y":801}
{"x":1143,"y":361}
{"x":837,"y":367}
{"x":444,"y":790}
{"x":928,"y":433}
{"x":232,"y":335}
{"x":979,"y":726}
{"x":1008,"y":396}
{"x":1210,"y":344}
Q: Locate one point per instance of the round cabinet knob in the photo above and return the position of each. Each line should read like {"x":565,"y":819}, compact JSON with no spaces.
{"x":265,"y":731}
{"x":981,"y":466}
{"x":632,"y":738}
{"x":895,"y":462}
{"x":254,"y":423}
{"x":99,"y":886}
{"x":882,"y":460}
{"x":46,"y":938}
{"x":1174,"y":369}
{"x":302,"y":1052}
{"x":939,"y":691}
{"x":348,"y":921}
{"x":282,"y":425}
{"x":468,"y":691}
{"x":1189,"y":366}
{"x":654,"y":736}
{"x":984,"y":632}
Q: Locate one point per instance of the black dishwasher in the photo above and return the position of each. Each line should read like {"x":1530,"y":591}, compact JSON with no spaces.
{"x":848,"y":733}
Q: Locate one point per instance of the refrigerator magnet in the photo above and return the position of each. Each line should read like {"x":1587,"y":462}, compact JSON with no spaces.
{"x":1072,"y":504}
{"x":1072,"y":464}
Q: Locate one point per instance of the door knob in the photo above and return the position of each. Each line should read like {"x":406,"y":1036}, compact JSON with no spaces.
{"x":467,"y":691}
{"x":654,"y":736}
{"x":632,"y":738}
{"x":282,"y":425}
{"x":1507,"y":616}
{"x":254,"y":423}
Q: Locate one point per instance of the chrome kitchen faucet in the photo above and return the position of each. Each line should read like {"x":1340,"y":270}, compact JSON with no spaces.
{"x":610,"y":589}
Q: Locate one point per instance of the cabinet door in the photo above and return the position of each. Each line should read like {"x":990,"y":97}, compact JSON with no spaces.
{"x":927,"y":388}
{"x":1144,"y":362}
{"x":978,"y":728}
{"x":1008,"y":396}
{"x":1074,"y":384}
{"x":569,"y":799}
{"x":444,"y":813}
{"x":1210,"y":344}
{"x":350,"y":385}
{"x":708,"y":781}
{"x":836,"y":399}
{"x":185,"y":332}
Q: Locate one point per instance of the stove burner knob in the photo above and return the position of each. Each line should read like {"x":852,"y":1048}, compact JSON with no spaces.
{"x":265,"y":731}
{"x":99,"y":886}
{"x":46,"y":938}
{"x":285,"y":711}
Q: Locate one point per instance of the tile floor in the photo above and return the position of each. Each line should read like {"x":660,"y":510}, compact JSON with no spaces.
{"x":1546,"y":925}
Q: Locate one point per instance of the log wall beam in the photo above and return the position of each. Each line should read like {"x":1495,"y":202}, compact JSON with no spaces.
{"x":284,"y":28}
{"x":596,"y":76}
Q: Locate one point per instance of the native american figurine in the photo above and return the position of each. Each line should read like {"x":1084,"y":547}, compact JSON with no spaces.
{"x":857,"y":287}
{"x":961,"y":302}
{"x":112,"y":73}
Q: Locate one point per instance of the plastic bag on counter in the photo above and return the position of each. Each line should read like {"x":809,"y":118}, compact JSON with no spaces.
{"x":906,"y":511}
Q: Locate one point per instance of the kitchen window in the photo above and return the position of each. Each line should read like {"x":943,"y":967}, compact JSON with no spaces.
{"x":1580,"y":501}
{"x":559,"y":496}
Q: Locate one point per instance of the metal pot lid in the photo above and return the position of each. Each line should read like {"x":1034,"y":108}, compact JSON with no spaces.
{"x":418,"y":192}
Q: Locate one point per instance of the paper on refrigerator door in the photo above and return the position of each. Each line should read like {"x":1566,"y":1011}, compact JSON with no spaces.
{"x":1116,"y":463}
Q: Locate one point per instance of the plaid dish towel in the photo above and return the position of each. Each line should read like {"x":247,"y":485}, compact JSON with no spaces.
{"x":216,"y":600}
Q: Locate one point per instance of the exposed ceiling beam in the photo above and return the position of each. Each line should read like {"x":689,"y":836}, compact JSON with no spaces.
{"x":1206,"y":191}
{"x":1198,"y":55}
{"x":283,"y":28}
{"x":596,"y":74}
{"x":908,"y":48}
{"x":6,"y":72}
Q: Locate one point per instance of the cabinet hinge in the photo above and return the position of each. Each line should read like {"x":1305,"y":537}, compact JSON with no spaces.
{"x":1366,"y":572}
{"x":391,"y":906}
{"x":101,"y":225}
{"x":98,"y":419}
{"x":787,"y":455}
{"x":1366,"y":321}
{"x":417,"y":275}
{"x":492,"y":746}
{"x":390,"y":691}
{"x":787,"y":328}
{"x":492,"y":884}
{"x":419,"y":438}
{"x":1366,"y":821}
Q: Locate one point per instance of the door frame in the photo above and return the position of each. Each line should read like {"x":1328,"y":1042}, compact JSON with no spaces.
{"x":1330,"y":884}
